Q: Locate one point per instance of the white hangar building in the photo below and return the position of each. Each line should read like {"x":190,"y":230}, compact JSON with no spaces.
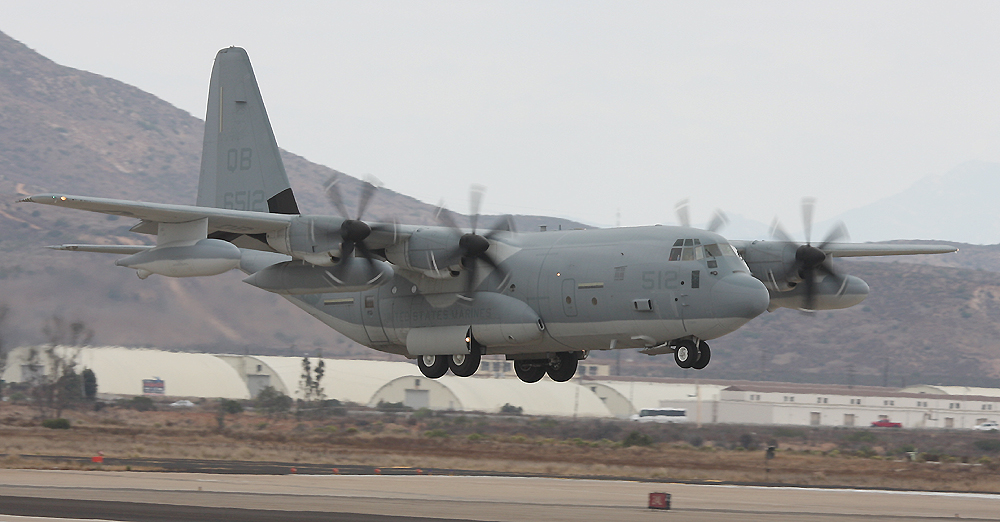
{"x":125,"y":371}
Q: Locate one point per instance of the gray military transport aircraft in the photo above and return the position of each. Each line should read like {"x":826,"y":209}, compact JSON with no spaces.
{"x":447,"y":296}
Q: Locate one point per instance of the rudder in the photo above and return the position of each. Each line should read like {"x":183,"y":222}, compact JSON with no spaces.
{"x":241,"y":166}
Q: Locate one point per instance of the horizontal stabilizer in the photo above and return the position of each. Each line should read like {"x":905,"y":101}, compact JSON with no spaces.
{"x":219,"y":219}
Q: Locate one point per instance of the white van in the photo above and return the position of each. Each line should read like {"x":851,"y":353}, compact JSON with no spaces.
{"x":661,"y":415}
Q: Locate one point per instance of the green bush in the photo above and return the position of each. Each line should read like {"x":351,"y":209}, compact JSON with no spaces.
{"x":637,"y":438}
{"x":230,"y":406}
{"x":270,"y":400}
{"x":56,"y":424}
{"x":436,"y":433}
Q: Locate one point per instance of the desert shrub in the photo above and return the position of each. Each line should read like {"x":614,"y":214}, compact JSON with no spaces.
{"x":475,"y":436}
{"x":990,"y":445}
{"x":510,"y":409}
{"x":270,"y":400}
{"x":860,"y":436}
{"x":230,"y":406}
{"x":56,"y":424}
{"x":422,"y":413}
{"x":748,"y":442}
{"x":637,"y":438}
{"x":392,"y":406}
{"x":782,"y":431}
{"x":436,"y":433}
{"x":140,"y":404}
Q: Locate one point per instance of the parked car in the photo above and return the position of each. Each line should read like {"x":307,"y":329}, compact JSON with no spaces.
{"x":987,"y":426}
{"x":183,"y":403}
{"x":660,"y":415}
{"x":886,"y":423}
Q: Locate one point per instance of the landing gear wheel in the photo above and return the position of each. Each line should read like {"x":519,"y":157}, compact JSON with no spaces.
{"x":563,"y":367}
{"x":464,"y":365}
{"x":686,"y":353}
{"x":704,"y":355}
{"x":433,"y":366}
{"x":530,"y":370}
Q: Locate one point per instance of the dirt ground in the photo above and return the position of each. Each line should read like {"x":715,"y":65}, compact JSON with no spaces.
{"x":864,"y":457}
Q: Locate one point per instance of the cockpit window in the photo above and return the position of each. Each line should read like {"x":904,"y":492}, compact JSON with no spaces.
{"x":693,"y":250}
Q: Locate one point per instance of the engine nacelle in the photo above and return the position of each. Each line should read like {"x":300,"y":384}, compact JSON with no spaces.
{"x":314,"y":238}
{"x":353,"y":274}
{"x":206,"y":257}
{"x":831,"y":294}
{"x":773,"y":263}
{"x":431,"y":251}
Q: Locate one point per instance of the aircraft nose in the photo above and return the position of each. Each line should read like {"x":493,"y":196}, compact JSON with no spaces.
{"x":739,"y":295}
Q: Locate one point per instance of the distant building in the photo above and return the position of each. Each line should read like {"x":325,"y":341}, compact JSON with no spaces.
{"x":593,"y":393}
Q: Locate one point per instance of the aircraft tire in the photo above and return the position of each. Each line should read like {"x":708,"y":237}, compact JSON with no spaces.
{"x":704,"y":355}
{"x":529,"y":370}
{"x":563,"y":367}
{"x":686,"y":353}
{"x":433,"y":366}
{"x":465,"y":365}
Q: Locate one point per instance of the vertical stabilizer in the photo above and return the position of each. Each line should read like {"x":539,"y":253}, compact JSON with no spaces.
{"x":240,"y":164}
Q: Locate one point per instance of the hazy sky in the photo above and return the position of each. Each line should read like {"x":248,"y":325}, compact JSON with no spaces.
{"x":580,"y":109}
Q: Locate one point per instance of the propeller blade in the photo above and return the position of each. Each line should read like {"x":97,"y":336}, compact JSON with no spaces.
{"x":808,"y":205}
{"x":778,"y":233}
{"x":682,"y":212}
{"x":809,"y":280}
{"x":333,"y":195}
{"x":475,"y":202}
{"x":504,"y":224}
{"x":368,"y":188}
{"x":838,"y":233}
{"x":444,"y":217}
{"x":719,"y":220}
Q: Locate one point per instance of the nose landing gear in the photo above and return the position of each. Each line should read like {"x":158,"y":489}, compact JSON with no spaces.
{"x":689,"y":354}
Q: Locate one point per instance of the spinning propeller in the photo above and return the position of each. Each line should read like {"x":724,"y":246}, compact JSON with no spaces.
{"x":353,"y":232}
{"x":719,"y":219}
{"x":473,"y":247}
{"x":810,"y":261}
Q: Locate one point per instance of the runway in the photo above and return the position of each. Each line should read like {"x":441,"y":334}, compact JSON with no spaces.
{"x":156,"y":496}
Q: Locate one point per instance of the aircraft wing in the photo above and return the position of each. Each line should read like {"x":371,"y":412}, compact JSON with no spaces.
{"x":219,"y":219}
{"x":103,"y":249}
{"x":869,"y":249}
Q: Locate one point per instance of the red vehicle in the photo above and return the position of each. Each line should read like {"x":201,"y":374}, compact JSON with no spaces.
{"x":886,"y":423}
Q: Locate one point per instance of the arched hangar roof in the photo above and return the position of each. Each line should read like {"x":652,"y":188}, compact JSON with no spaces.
{"x":544,"y":397}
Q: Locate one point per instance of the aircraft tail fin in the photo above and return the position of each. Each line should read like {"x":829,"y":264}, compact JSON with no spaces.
{"x":241,"y":166}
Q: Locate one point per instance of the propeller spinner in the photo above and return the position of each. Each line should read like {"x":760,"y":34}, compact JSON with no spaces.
{"x":811,"y":261}
{"x":353,"y":232}
{"x":472,"y":246}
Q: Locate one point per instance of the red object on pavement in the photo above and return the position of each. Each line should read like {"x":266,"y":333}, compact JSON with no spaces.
{"x":98,"y":459}
{"x":659,"y":501}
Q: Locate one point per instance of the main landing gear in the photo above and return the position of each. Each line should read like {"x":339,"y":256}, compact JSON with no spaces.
{"x":561,"y":367}
{"x":462,"y":365}
{"x":691,"y":355}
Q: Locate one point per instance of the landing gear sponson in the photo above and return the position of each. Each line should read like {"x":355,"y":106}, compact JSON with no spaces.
{"x":691,"y":354}
{"x":560,"y":367}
